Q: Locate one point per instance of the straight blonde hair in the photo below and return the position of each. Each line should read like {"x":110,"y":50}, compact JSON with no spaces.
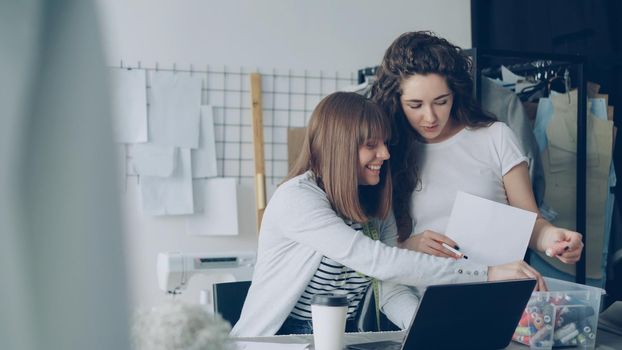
{"x":341,"y":123}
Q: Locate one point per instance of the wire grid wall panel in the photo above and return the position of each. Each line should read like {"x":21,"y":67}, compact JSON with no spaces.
{"x":288,"y":98}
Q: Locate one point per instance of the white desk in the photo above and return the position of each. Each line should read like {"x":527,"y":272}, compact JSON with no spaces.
{"x":604,"y":340}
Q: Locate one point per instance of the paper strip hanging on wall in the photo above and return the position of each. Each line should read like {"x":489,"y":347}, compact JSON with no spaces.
{"x":204,"y":158}
{"x":174,"y":109}
{"x":169,"y":195}
{"x":152,"y":160}
{"x":129,"y":104}
{"x":216,"y":208}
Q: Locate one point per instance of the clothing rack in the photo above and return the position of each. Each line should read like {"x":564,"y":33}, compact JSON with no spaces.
{"x":521,"y":68}
{"x":520,"y":62}
{"x":613,"y":284}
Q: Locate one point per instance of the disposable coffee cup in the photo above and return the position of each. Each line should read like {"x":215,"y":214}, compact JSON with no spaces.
{"x":328,"y":314}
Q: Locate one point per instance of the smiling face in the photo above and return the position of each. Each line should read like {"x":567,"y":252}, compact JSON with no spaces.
{"x":426,"y":101}
{"x":371,"y":156}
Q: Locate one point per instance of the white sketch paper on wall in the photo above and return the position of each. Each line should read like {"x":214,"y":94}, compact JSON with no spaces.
{"x":204,"y":158}
{"x":216,"y":208}
{"x":153,"y":160}
{"x":169,"y":195}
{"x":129,"y":104}
{"x":174,"y":109}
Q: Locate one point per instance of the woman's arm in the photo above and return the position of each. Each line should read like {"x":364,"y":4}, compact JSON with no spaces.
{"x":301,"y":213}
{"x":431,"y":242}
{"x":564,"y":244}
{"x":398,"y":302}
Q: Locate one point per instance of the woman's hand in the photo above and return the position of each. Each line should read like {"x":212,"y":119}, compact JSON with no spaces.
{"x":430,"y":242}
{"x":563,"y":244}
{"x":516,"y":270}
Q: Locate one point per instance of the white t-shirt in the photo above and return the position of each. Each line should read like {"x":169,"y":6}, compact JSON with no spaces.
{"x":472,"y":161}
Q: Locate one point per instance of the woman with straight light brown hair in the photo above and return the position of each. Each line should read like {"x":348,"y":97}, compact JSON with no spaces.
{"x":338,"y":127}
{"x":328,"y":228}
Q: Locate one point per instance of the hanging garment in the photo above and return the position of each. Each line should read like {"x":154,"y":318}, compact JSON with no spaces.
{"x":559,"y":164}
{"x":504,"y":104}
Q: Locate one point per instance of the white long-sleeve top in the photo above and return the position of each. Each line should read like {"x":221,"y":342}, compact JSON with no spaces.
{"x":299,"y":227}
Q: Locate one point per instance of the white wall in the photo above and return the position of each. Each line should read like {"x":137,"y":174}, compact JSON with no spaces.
{"x":328,"y":35}
{"x":321,"y":35}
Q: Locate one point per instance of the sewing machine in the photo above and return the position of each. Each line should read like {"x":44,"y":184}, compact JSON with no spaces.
{"x":176,"y":269}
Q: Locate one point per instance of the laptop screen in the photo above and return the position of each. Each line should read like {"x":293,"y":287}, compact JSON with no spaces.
{"x":470,"y":315}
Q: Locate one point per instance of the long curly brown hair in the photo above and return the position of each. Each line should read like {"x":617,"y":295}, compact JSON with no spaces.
{"x":420,"y":53}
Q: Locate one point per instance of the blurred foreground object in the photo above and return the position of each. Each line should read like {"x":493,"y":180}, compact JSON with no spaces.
{"x":180,"y":326}
{"x":61,"y":243}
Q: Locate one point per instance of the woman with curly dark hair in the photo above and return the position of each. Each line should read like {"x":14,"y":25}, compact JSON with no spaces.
{"x":443,"y":142}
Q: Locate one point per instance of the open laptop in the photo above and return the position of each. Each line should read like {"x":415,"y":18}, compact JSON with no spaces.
{"x":463,"y":316}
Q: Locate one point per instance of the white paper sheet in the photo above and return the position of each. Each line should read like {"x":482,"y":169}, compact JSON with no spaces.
{"x":174,"y":109}
{"x":248,"y":345}
{"x":148,"y":159}
{"x":216,"y":208}
{"x":169,"y":195}
{"x":204,"y":158}
{"x":488,"y":232}
{"x":129,"y":104}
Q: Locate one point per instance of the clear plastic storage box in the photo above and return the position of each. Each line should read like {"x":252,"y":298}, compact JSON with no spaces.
{"x":564,"y":316}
